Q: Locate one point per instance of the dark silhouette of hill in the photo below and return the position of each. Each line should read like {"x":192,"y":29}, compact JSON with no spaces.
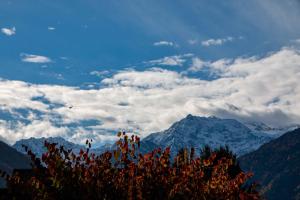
{"x":276,"y":166}
{"x":11,"y":159}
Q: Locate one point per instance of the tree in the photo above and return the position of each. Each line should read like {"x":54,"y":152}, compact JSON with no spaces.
{"x":125,"y":173}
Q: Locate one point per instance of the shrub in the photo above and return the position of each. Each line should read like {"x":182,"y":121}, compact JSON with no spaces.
{"x":125,"y":173}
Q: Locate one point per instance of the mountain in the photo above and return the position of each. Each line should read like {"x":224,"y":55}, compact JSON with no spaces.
{"x":197,"y":132}
{"x":191,"y":131}
{"x":260,"y":128}
{"x":11,"y":159}
{"x":276,"y":166}
{"x":36,"y":145}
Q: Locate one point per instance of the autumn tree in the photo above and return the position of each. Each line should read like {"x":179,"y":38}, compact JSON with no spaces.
{"x":125,"y":173}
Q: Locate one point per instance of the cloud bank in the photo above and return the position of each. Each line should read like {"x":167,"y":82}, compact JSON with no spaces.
{"x":249,"y":89}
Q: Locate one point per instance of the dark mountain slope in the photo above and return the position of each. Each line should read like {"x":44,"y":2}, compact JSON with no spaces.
{"x":276,"y":166}
{"x":11,"y":159}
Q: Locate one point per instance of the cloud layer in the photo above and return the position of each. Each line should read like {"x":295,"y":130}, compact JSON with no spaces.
{"x":262,"y":89}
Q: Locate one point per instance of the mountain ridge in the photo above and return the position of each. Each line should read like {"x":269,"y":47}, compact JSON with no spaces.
{"x":190,"y":131}
{"x":276,"y":166}
{"x":11,"y":159}
{"x":194,"y":131}
{"x":36,"y":145}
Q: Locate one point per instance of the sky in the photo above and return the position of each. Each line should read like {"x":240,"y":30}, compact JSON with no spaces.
{"x":89,"y":68}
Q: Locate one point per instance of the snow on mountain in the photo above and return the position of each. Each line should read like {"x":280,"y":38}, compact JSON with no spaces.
{"x":36,"y":145}
{"x":197,"y":132}
{"x":191,"y":131}
{"x":260,"y":128}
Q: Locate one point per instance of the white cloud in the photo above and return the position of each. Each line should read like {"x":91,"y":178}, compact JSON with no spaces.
{"x":176,"y":60}
{"x":37,"y":128}
{"x":35,"y":58}
{"x":50,"y":28}
{"x":216,"y":42}
{"x":197,"y":65}
{"x":9,"y":31}
{"x":172,"y":61}
{"x":296,"y":41}
{"x":214,"y":67}
{"x":222,"y":64}
{"x":100,"y":73}
{"x":193,"y":41}
{"x":64,"y":58}
{"x":150,"y":79}
{"x":164,"y":43}
{"x":265,"y":89}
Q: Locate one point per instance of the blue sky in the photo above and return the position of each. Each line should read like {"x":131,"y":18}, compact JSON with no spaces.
{"x":93,"y":46}
{"x":100,"y":35}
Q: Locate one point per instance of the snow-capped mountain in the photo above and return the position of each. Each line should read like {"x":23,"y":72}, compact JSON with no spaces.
{"x":197,"y":132}
{"x":36,"y":145}
{"x":260,"y":128}
{"x":192,"y":131}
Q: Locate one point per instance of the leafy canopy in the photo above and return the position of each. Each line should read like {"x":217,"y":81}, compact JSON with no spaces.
{"x":125,"y":173}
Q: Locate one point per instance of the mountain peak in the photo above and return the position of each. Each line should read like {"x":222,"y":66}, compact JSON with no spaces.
{"x":36,"y":145}
{"x":191,"y":117}
{"x":194,"y":131}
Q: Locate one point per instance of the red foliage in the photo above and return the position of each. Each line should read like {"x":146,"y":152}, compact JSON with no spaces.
{"x":126,"y":174}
